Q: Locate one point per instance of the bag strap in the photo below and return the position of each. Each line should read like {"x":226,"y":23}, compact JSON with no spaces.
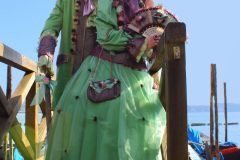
{"x":97,"y":64}
{"x":110,"y":66}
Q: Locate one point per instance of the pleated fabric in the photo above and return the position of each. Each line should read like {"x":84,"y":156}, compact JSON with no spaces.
{"x":129,"y":127}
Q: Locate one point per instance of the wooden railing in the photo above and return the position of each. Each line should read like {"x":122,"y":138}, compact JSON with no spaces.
{"x":176,"y":92}
{"x":171,"y":51}
{"x":30,"y":142}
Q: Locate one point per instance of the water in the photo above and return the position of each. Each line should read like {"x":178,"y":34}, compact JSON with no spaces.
{"x":203,"y":117}
{"x":197,"y":117}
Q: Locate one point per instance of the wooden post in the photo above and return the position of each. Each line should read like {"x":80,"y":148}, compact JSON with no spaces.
{"x":175,"y":85}
{"x":5,"y":146}
{"x":10,"y":148}
{"x":8,"y":95}
{"x":211,"y":113}
{"x":32,"y":120}
{"x":214,"y":96}
{"x":7,"y":140}
{"x":225,"y":112}
{"x":9,"y":82}
{"x":216,"y":115}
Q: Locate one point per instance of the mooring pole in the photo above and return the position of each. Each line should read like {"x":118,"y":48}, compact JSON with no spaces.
{"x":176,"y":94}
{"x":214,"y":96}
{"x":211,"y":110}
{"x":225,"y":112}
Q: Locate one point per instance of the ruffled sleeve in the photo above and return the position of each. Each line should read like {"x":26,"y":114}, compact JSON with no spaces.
{"x":108,"y":35}
{"x":111,"y":38}
{"x":51,"y":30}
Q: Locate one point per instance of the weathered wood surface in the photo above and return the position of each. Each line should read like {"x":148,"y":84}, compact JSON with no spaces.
{"x":15,"y":59}
{"x":8,"y":94}
{"x":4,"y":111}
{"x":31,"y":118}
{"x":16,"y":102}
{"x":214,"y":108}
{"x":5,"y":122}
{"x":175,"y":89}
{"x":29,"y":142}
{"x":5,"y":146}
{"x":24,"y":86}
{"x":42,"y":131}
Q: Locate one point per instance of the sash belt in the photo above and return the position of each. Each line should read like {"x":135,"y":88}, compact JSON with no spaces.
{"x":123,"y":58}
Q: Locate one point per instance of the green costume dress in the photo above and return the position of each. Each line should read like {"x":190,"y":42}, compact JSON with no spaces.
{"x":129,"y":127}
{"x":61,"y":20}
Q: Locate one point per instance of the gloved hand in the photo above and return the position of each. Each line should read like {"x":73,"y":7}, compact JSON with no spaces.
{"x":152,"y":41}
{"x":45,"y":63}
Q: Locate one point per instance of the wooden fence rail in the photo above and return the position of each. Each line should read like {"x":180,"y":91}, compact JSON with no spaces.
{"x":29,"y":142}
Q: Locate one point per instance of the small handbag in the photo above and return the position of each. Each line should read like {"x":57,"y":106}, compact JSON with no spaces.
{"x":103,"y":90}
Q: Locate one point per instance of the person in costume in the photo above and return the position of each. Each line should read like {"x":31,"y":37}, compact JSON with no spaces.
{"x":76,"y":31}
{"x":127,"y":125}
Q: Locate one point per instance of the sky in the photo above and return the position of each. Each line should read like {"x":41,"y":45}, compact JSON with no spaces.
{"x":213,"y":37}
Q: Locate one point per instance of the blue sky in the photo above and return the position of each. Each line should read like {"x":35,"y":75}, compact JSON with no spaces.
{"x":212,"y":26}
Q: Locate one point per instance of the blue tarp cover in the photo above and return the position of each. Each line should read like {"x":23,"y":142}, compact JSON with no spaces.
{"x":17,"y":155}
